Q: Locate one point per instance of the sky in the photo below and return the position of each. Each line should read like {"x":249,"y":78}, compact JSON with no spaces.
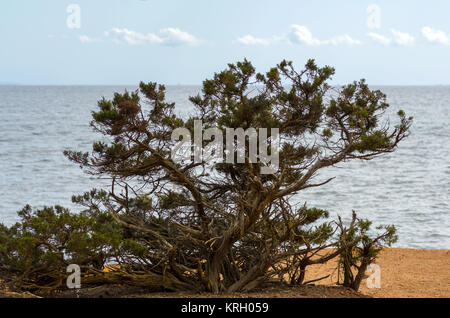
{"x":123,"y":42}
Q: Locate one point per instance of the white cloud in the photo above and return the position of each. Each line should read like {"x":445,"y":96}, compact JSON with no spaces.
{"x":342,"y":39}
{"x":435,"y":36}
{"x":402,"y":38}
{"x":379,"y":38}
{"x":300,"y":34}
{"x":135,"y":38}
{"x":167,"y":36}
{"x":174,"y":36}
{"x":86,"y":39}
{"x":399,"y":38}
{"x":251,"y":40}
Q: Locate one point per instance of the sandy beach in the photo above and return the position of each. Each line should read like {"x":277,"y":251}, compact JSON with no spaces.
{"x":404,"y":273}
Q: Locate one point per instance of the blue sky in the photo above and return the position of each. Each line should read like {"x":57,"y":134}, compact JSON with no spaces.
{"x":184,"y":42}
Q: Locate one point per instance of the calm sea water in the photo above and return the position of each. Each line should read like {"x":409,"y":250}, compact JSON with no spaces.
{"x":409,"y":188}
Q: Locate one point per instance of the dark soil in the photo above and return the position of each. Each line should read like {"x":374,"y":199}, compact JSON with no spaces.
{"x":120,"y":291}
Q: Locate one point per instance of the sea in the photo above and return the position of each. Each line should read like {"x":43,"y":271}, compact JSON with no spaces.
{"x":409,"y":188}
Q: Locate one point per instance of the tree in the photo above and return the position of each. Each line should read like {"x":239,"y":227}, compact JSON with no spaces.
{"x":357,"y":258}
{"x":229,"y":226}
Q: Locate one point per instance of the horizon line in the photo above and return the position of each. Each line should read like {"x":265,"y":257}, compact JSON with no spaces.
{"x":193,"y":85}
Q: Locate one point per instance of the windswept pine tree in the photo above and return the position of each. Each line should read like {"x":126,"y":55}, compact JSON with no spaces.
{"x":218,"y":226}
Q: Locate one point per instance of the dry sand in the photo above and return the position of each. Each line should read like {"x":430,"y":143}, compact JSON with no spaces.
{"x":404,"y":273}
